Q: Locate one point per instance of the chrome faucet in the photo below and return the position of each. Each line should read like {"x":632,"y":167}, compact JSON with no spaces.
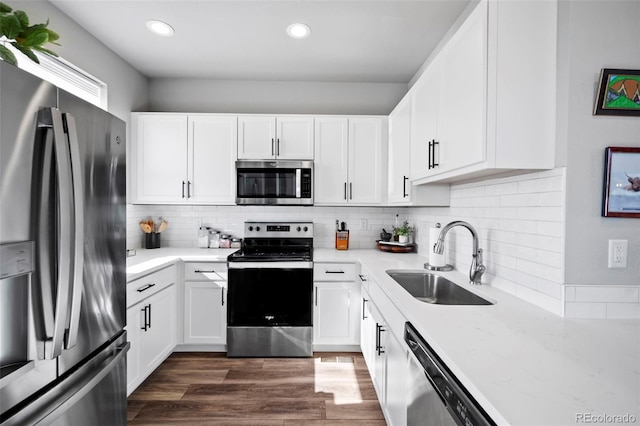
{"x":477,"y":268}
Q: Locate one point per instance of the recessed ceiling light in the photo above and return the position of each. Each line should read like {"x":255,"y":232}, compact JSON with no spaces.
{"x":298,"y":30}
{"x":160,"y":28}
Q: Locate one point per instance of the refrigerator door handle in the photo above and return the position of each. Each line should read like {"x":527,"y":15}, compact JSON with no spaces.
{"x":52,"y":118}
{"x":71,"y":337}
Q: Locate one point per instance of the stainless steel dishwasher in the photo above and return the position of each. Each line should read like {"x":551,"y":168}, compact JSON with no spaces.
{"x":436,"y":397}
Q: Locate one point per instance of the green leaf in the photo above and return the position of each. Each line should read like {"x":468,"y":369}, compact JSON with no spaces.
{"x":22,"y":17}
{"x":7,"y":55}
{"x":53,"y":37}
{"x":5,"y":9}
{"x":44,"y":50}
{"x":10,"y":26}
{"x":36,"y":38}
{"x":26,"y":51}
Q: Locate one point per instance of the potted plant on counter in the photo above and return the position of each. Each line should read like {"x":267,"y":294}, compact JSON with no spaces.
{"x":404,"y":232}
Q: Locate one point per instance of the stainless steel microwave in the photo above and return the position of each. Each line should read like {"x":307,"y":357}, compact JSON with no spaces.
{"x":274,"y":182}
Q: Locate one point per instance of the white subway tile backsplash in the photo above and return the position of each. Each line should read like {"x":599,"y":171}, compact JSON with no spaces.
{"x":519,"y":219}
{"x":585,"y":310}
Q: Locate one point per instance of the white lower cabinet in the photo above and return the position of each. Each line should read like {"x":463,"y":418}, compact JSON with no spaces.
{"x":384,"y":351}
{"x":151,"y":324}
{"x":205,"y":307}
{"x":336,"y":307}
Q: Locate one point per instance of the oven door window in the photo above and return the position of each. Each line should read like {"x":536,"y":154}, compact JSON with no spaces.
{"x":270,"y":297}
{"x":261,"y":183}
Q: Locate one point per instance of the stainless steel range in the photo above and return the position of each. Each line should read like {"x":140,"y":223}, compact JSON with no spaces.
{"x":270,"y":299}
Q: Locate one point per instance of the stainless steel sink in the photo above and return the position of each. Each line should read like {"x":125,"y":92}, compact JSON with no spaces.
{"x":432,"y":288}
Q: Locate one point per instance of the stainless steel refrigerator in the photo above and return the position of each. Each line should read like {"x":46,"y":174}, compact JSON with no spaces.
{"x":62,"y":251}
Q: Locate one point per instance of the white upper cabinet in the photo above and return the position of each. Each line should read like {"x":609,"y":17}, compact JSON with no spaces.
{"x":180,"y":158}
{"x":160,"y":152}
{"x":486,"y":102}
{"x":399,"y":186}
{"x":283,"y":137}
{"x":349,"y":165}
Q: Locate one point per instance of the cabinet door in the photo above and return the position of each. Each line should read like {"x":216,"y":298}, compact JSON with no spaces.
{"x":256,"y":138}
{"x":396,"y":380}
{"x":294,"y":138}
{"x":367,"y":333}
{"x":462,"y":120}
{"x":398,"y":186}
{"x":134,"y":323}
{"x":330,"y":164}
{"x":336,"y":315}
{"x":212,"y":155}
{"x":379,"y":356}
{"x":158,"y":341}
{"x":425,"y":96}
{"x":365,"y":160}
{"x":205,"y":312}
{"x":161,"y":158}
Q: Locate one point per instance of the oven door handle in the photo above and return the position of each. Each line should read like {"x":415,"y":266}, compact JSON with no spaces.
{"x":271,"y":265}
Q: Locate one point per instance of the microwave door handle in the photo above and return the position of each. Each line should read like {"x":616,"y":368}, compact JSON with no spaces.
{"x":298,"y":183}
{"x":78,"y":233}
{"x":52,"y":118}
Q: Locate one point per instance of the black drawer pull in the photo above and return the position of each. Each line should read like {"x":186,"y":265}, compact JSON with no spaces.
{"x":334,"y":272}
{"x":146,"y":287}
{"x":198,"y":271}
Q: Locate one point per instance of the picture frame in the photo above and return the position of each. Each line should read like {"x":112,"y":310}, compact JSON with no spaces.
{"x":618,"y":93}
{"x":621,"y":194}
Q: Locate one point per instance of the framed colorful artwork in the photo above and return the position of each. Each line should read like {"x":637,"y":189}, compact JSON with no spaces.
{"x":618,"y":93}
{"x":621,"y":194}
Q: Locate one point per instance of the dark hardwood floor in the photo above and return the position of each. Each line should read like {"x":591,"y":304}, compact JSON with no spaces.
{"x":211,"y":389}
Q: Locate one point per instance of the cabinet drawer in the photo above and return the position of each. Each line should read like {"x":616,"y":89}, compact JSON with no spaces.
{"x":205,"y":271}
{"x":334,"y":271}
{"x":148,"y":285}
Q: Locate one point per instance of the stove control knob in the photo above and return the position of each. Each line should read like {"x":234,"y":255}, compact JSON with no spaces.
{"x":298,"y":229}
{"x":257,"y":229}
{"x":251,"y":228}
{"x":305,"y":229}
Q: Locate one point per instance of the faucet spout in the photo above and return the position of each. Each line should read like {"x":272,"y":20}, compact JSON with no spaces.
{"x":477,"y":268}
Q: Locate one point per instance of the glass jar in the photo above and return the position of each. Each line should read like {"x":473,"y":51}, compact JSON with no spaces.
{"x":225,"y":241}
{"x":236,"y":243}
{"x":214,"y":239}
{"x":203,"y":237}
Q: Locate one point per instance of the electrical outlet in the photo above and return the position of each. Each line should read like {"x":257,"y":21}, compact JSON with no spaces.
{"x":618,"y":253}
{"x":364,"y":224}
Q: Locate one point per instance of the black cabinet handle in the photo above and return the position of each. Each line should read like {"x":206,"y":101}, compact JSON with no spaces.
{"x":379,"y":330}
{"x":362,"y":278}
{"x":429,"y":154}
{"x":182,"y":189}
{"x":363,"y":311}
{"x":222,"y":295}
{"x":199,"y":271}
{"x":273,"y":144}
{"x":316,"y":289}
{"x":333,"y":272}
{"x":149,"y":315}
{"x":146,"y":287}
{"x":351,"y":190}
{"x":278,"y":147}
{"x":345,"y":190}
{"x":188,"y":189}
{"x":404,"y":187}
{"x":435,"y":164}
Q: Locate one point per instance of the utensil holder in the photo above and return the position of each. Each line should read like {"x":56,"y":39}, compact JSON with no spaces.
{"x":152,"y":240}
{"x":342,"y":240}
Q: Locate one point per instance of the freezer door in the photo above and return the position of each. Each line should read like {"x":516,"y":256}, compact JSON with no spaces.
{"x":93,"y":394}
{"x":22,"y":334}
{"x":98,"y":311}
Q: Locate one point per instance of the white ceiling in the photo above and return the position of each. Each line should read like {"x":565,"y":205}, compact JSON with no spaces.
{"x":351,"y":41}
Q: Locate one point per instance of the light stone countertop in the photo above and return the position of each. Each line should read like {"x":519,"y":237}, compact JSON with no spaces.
{"x":524,"y":365}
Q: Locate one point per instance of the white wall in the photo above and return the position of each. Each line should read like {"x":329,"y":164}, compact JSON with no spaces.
{"x":127,"y":89}
{"x":274,"y":97}
{"x":598,"y":34}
